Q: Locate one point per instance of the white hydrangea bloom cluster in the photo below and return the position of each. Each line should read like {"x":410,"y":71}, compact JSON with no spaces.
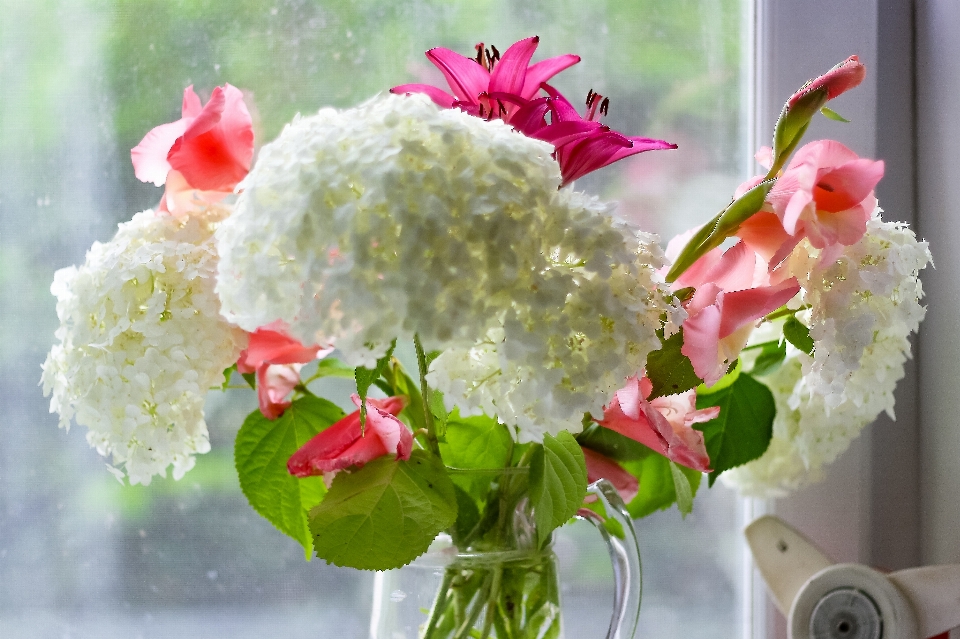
{"x":141,"y":342}
{"x":863,"y":308}
{"x":398,"y":218}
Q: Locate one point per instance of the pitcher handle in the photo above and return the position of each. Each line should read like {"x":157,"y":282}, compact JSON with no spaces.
{"x":624,"y":555}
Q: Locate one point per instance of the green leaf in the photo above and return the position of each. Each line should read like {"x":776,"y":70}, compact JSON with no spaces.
{"x":439,"y":411}
{"x":332,"y":367}
{"x":771,"y":356}
{"x":251,"y":379}
{"x":467,"y":514}
{"x":366,"y":377}
{"x":261,"y":453}
{"x":733,"y":372}
{"x":798,"y":334}
{"x":384,"y":515}
{"x":612,"y":444}
{"x":476,"y":442}
{"x":832,"y":115}
{"x":742,"y":431}
{"x":681,"y":486}
{"x":227,"y":374}
{"x":558,"y":482}
{"x":658,"y":489}
{"x":670,"y":370}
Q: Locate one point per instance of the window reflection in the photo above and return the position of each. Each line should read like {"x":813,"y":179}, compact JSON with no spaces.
{"x":83,"y":80}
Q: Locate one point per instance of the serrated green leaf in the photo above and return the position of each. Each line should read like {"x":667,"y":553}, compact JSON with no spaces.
{"x":558,"y":482}
{"x":384,"y":515}
{"x":261,"y":453}
{"x":771,"y":356}
{"x":657,"y":486}
{"x":612,"y":444}
{"x":476,"y":442}
{"x":833,"y":115}
{"x":670,"y":370}
{"x":681,"y":486}
{"x":798,"y":334}
{"x":742,"y":431}
{"x":366,"y":377}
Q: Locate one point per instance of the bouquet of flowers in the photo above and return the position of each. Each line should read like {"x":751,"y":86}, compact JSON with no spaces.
{"x":430,"y":246}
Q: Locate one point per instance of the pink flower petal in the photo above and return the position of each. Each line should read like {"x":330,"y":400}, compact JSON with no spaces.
{"x":509,"y":73}
{"x":744,"y":307}
{"x":602,"y":467}
{"x":841,"y":78}
{"x":149,"y":157}
{"x":544,"y":70}
{"x":467,"y":79}
{"x":440,"y":97}
{"x":216,"y":149}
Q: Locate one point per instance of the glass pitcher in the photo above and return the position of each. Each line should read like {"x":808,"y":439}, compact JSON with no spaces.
{"x":504,"y":590}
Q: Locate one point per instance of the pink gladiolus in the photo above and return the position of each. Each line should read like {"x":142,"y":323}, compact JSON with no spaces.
{"x":841,"y":78}
{"x":826,"y":194}
{"x":202,"y":156}
{"x":602,"y":467}
{"x":474,"y":81}
{"x":664,"y":424}
{"x":733,"y":291}
{"x":276,"y":358}
{"x":346,"y":444}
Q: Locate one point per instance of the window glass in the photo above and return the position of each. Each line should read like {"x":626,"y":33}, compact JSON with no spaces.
{"x":83,"y":80}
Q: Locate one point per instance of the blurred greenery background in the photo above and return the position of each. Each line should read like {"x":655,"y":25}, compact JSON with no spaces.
{"x":81,"y":82}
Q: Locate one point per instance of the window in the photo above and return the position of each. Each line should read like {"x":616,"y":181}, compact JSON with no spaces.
{"x":83,"y":81}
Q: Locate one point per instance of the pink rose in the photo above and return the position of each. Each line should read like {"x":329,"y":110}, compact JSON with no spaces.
{"x":602,"y":467}
{"x":664,"y":424}
{"x":345,"y":444}
{"x":276,"y":358}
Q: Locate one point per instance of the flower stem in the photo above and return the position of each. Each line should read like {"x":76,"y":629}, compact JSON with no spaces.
{"x":431,"y":436}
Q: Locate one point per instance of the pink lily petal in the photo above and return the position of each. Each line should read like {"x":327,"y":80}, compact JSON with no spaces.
{"x":440,"y":97}
{"x":544,"y":70}
{"x":602,"y":467}
{"x":589,"y":154}
{"x":841,"y":78}
{"x":509,"y":73}
{"x":561,"y":108}
{"x":215,"y":151}
{"x":467,"y":79}
{"x":344,"y":444}
{"x":568,"y":132}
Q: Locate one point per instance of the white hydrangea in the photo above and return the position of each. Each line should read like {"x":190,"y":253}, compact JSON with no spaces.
{"x":141,"y":342}
{"x":863,"y":308}
{"x":398,"y":218}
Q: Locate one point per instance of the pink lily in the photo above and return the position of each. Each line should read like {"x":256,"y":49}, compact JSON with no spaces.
{"x":841,"y":78}
{"x":664,"y":424}
{"x":346,"y":444}
{"x":583,"y":144}
{"x":473,"y":81}
{"x":826,"y":194}
{"x":733,"y":291}
{"x":276,"y":358}
{"x":602,"y":467}
{"x":202,"y":156}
